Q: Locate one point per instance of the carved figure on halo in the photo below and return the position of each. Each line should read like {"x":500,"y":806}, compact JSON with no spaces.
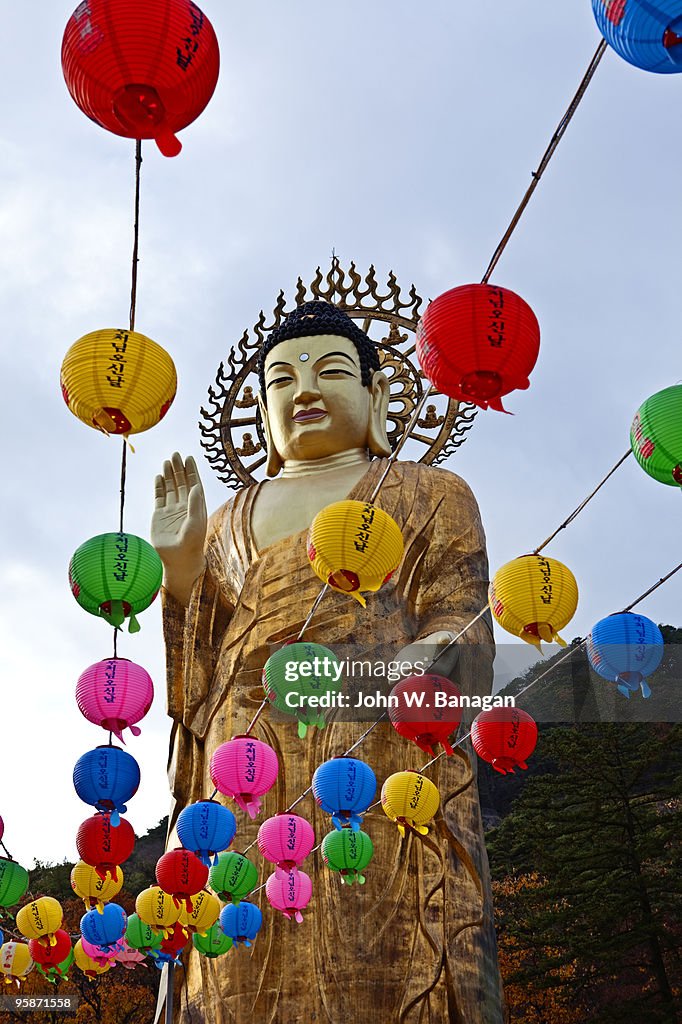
{"x":417,"y":942}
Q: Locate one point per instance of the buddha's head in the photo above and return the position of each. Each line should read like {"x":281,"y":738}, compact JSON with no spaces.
{"x":322,"y":392}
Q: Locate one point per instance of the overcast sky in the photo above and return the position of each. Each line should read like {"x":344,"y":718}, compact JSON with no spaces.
{"x":401,"y":135}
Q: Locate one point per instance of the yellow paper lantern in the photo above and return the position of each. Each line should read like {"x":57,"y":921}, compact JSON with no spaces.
{"x":92,"y":889}
{"x":118,"y":381}
{"x":205,"y":912}
{"x":354,"y":546}
{"x":40,"y":919}
{"x":15,"y":961}
{"x":534,"y":597}
{"x":410,"y":799}
{"x":86,"y":963}
{"x":157,"y":909}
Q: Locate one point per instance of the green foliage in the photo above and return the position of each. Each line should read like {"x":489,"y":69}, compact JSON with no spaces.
{"x":595,"y":830}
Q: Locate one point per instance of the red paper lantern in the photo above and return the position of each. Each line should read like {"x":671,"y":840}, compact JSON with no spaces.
{"x":51,"y":955}
{"x":177,"y":938}
{"x":428,"y":711}
{"x":104,"y":846}
{"x":478,"y":342}
{"x":504,"y":737}
{"x":181,"y":874}
{"x":142,"y":69}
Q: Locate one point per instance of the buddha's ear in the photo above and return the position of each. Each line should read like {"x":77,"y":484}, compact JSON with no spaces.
{"x":274,"y":463}
{"x":377,"y":439}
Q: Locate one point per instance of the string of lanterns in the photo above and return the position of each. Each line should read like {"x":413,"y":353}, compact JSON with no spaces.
{"x":142,"y":71}
{"x":116,"y":576}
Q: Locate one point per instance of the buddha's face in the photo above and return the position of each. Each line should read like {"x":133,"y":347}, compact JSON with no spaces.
{"x":317,"y":404}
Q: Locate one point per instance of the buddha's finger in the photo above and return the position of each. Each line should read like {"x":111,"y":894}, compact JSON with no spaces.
{"x":180,"y":477}
{"x":169,"y":480}
{"x":193,"y":478}
{"x":159,"y":492}
{"x":196,"y":507}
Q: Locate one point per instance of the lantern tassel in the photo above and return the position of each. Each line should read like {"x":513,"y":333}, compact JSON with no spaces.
{"x":168,"y":143}
{"x":493,"y":403}
{"x":286,"y":868}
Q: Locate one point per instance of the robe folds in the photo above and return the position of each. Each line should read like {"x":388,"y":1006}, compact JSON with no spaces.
{"x":416,"y":943}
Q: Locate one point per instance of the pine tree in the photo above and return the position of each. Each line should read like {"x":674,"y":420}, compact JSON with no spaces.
{"x":598,"y":837}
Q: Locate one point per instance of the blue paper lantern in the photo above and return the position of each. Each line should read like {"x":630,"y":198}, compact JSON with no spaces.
{"x":241,"y":922}
{"x":104,"y":928}
{"x":626,"y":648}
{"x":206,"y":828}
{"x":106,"y":778}
{"x":344,"y":787}
{"x":646,"y":33}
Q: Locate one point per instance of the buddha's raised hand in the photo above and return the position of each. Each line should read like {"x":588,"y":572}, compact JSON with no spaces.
{"x":179,"y":525}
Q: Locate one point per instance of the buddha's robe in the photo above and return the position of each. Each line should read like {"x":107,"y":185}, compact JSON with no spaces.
{"x":416,"y":943}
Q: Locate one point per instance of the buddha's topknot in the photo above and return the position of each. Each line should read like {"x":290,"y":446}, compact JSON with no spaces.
{"x":315,"y":318}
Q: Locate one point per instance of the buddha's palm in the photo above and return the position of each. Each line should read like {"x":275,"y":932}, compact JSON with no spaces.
{"x":179,"y":524}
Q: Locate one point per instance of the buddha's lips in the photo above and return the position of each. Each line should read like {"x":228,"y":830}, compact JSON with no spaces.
{"x":306,"y":415}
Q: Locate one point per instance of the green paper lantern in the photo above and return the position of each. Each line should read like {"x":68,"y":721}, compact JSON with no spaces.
{"x":55,"y":974}
{"x":233,"y":877}
{"x":656,"y":436}
{"x":115,"y":575}
{"x":298,"y":672}
{"x":13,"y":882}
{"x":348,"y":852}
{"x":212,"y":943}
{"x":142,"y":936}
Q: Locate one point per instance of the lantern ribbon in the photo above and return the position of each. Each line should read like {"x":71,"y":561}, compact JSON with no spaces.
{"x":411,"y":825}
{"x":350,"y":875}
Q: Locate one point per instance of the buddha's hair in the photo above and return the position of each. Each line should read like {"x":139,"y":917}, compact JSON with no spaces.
{"x":315,"y":318}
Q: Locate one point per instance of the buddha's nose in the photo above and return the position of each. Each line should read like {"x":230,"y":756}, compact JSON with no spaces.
{"x":306,"y":392}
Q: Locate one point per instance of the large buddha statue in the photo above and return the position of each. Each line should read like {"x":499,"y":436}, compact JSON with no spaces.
{"x":416,"y":943}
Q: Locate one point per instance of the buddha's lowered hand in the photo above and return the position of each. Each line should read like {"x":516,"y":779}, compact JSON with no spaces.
{"x":429,"y":654}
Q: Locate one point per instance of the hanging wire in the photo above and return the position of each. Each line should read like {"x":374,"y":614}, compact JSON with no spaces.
{"x":136,"y":234}
{"x":536,"y":175}
{"x":547,"y":156}
{"x":564,"y":657}
{"x":133,"y":307}
{"x":574,"y":515}
{"x":576,"y":512}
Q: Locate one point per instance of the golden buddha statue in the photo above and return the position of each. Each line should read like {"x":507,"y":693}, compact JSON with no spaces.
{"x":416,"y":944}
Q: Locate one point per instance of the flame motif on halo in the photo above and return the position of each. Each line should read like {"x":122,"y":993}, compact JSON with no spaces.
{"x":232,"y":433}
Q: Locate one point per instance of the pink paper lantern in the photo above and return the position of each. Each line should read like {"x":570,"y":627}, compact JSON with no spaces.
{"x":244,"y":768}
{"x":115,"y":694}
{"x":290,"y":893}
{"x":286,"y":840}
{"x":128,"y":957}
{"x":100,"y":955}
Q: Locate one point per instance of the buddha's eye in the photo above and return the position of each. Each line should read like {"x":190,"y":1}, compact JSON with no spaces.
{"x":336,"y":372}
{"x":278,"y":380}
